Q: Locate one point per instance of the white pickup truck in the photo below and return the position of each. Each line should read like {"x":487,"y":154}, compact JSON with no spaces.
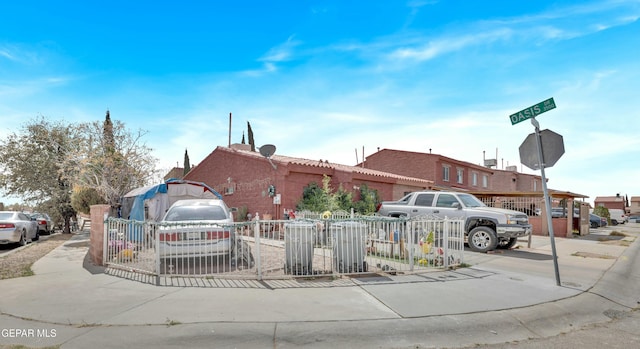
{"x":486,"y":228}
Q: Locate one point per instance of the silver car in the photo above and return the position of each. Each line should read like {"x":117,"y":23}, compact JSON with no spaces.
{"x":45,"y":224}
{"x":17,"y":227}
{"x":196,"y":228}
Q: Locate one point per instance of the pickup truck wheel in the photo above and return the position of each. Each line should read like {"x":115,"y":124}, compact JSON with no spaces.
{"x":482,"y":239}
{"x":506,"y":244}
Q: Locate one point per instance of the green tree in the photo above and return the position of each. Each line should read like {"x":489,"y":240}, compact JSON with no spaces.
{"x":602,"y":212}
{"x":34,"y":167}
{"x":83,"y":198}
{"x":251,"y":140}
{"x":187,"y":165}
{"x":368,"y":200}
{"x":343,"y":199}
{"x":312,"y":199}
{"x":320,"y":199}
{"x":46,"y":160}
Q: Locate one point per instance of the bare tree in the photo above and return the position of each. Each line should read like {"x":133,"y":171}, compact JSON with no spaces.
{"x":111,"y":159}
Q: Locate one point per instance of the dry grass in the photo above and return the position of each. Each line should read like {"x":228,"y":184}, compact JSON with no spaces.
{"x":19,"y":346}
{"x":18,"y":263}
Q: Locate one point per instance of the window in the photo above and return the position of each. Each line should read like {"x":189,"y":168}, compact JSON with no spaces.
{"x":474,"y":179}
{"x":460,"y":176}
{"x":446,"y":200}
{"x":424,"y":199}
{"x":535,"y":185}
{"x":485,"y":181}
{"x":445,"y":173}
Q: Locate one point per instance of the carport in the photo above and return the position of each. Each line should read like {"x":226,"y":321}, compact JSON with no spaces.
{"x":532,"y":203}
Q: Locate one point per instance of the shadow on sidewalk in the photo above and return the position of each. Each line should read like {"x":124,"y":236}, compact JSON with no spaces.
{"x":88,"y":265}
{"x":527,"y":255}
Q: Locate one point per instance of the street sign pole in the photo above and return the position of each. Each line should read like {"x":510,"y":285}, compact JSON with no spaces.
{"x":547,"y":200}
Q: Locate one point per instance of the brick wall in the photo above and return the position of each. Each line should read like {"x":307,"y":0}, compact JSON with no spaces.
{"x":249,"y":179}
{"x":249,"y":176}
{"x":96,"y":237}
{"x":430,"y":167}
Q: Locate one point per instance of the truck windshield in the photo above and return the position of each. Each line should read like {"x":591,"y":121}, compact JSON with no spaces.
{"x":470,"y":200}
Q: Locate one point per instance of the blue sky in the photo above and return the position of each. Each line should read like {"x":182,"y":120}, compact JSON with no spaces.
{"x":325,"y":79}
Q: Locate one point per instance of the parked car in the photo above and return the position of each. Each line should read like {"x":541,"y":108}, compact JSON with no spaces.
{"x":596,"y":221}
{"x":617,"y":216}
{"x":486,"y":228}
{"x":558,"y":212}
{"x":197,"y":228}
{"x":45,"y":224}
{"x":17,"y":227}
{"x":634,"y":218}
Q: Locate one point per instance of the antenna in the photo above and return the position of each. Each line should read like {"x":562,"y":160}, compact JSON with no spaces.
{"x":267,"y":151}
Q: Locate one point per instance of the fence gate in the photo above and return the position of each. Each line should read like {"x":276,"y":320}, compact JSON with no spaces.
{"x":285,"y":249}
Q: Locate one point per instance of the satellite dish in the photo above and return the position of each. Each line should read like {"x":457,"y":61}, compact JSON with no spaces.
{"x":267,"y":150}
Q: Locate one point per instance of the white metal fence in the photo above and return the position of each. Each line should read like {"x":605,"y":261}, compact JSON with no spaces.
{"x":278,"y":249}
{"x":530,"y":205}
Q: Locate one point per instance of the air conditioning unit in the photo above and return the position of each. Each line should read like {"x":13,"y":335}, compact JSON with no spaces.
{"x":512,"y":168}
{"x":490,"y":162}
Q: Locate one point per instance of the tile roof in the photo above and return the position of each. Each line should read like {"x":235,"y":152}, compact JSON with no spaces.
{"x":286,"y":160}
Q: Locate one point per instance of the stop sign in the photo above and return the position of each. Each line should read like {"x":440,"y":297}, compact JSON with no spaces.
{"x":552,"y":149}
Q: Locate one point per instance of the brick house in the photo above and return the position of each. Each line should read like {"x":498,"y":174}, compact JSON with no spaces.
{"x":452,"y":174}
{"x":176,"y":172}
{"x":634,"y":205}
{"x":447,"y":173}
{"x":510,"y":180}
{"x":615,"y":202}
{"x":244,"y":177}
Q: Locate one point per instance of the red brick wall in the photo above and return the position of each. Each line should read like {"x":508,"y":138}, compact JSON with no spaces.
{"x":408,"y":164}
{"x":96,"y":237}
{"x":248,"y":177}
{"x":429,"y":166}
{"x":504,"y":181}
{"x":251,"y":176}
{"x":540,"y":227}
{"x":611,"y":205}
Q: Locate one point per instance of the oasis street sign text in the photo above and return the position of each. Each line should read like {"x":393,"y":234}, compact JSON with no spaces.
{"x":532,"y":111}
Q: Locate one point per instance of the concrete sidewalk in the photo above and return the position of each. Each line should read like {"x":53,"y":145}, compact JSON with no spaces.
{"x":502,"y":297}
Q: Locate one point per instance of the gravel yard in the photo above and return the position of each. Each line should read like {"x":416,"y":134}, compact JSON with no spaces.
{"x":18,"y":263}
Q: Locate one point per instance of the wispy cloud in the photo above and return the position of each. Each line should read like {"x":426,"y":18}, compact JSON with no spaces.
{"x":449,"y":44}
{"x":282,"y":52}
{"x":6,"y":54}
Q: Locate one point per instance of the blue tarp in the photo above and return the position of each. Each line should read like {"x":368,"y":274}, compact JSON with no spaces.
{"x":133,"y":203}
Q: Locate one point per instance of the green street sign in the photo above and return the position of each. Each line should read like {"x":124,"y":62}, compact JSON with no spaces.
{"x":532,"y":111}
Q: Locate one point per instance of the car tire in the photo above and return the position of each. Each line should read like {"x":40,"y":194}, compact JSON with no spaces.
{"x":482,"y":239}
{"x":23,"y":239}
{"x":506,"y":244}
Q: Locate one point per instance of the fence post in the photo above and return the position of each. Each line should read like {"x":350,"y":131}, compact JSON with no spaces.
{"x":256,"y":235}
{"x":156,"y":247}
{"x":105,"y":241}
{"x":445,"y":242}
{"x":411,"y":242}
